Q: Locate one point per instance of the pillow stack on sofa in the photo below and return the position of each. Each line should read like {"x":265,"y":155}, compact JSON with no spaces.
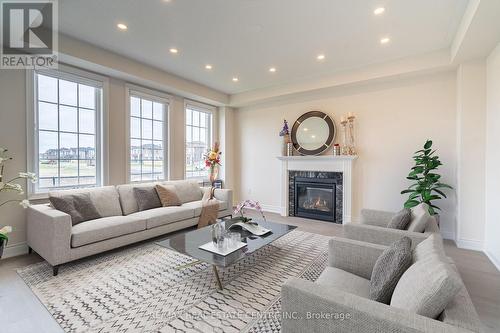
{"x":414,"y":219}
{"x":107,"y":212}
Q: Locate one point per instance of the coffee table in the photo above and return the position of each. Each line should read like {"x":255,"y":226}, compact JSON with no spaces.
{"x":187,"y":243}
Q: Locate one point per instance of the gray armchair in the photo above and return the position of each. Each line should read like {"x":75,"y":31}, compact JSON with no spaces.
{"x":373,"y":227}
{"x":338,"y":301}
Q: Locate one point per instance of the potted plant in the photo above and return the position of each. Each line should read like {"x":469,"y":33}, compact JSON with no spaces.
{"x":426,"y":187}
{"x":11,"y":186}
{"x":4,"y":238}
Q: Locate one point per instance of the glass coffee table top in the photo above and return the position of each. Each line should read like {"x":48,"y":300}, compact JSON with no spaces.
{"x":187,"y":243}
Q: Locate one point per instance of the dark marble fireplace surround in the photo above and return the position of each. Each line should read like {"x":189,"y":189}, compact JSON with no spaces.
{"x":317,"y":175}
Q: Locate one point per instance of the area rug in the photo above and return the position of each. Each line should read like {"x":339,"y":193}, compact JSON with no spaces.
{"x":142,"y":289}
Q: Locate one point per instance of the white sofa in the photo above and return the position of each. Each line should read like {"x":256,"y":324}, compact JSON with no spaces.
{"x":52,"y":235}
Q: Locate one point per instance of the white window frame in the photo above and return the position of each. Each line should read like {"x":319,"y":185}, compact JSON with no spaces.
{"x":205,"y":108}
{"x":160,"y":97}
{"x":65,"y":72}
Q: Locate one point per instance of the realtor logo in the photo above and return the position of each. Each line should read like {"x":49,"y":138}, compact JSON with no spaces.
{"x":29,"y":37}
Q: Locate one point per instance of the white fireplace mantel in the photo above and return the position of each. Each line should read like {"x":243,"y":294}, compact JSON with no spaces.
{"x":328,"y":163}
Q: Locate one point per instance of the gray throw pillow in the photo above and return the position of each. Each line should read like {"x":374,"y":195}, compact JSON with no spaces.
{"x":427,"y":287}
{"x":78,"y":206}
{"x":389,"y":267}
{"x":401,"y":220}
{"x":147,"y":198}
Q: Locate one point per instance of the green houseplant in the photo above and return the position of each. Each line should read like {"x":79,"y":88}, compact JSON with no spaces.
{"x":426,"y":187}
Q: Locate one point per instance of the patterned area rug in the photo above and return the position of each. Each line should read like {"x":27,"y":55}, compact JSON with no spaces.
{"x":141,"y":289}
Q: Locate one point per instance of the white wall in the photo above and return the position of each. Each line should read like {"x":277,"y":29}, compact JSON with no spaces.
{"x":393,"y":120}
{"x":492,"y":247}
{"x":471,"y":149}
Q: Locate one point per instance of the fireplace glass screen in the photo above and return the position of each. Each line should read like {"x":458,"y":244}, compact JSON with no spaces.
{"x":315,"y":198}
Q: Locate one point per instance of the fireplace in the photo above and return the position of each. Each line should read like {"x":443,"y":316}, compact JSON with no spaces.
{"x":315,"y":198}
{"x":316,"y":195}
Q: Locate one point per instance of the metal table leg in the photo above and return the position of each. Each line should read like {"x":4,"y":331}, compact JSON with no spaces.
{"x":217,"y":278}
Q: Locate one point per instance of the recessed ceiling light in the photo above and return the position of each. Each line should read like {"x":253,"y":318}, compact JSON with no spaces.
{"x":379,"y":11}
{"x":272,"y":69}
{"x":122,"y":26}
{"x":174,"y":50}
{"x":235,"y":79}
{"x":208,"y":66}
{"x":385,"y":40}
{"x":320,"y":57}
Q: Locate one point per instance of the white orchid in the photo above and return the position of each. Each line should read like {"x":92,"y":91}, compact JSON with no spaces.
{"x":6,"y":230}
{"x":3,"y":235}
{"x":25,"y":203}
{"x":10,"y":185}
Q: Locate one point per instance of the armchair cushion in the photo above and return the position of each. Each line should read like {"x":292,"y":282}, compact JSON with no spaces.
{"x":431,"y":245}
{"x":342,"y":280}
{"x":427,"y":287}
{"x":401,"y":220}
{"x":419,"y":218}
{"x":389,"y":268}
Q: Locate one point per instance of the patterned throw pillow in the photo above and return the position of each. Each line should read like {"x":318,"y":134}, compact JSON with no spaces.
{"x":167,"y":195}
{"x":78,"y":206}
{"x":401,"y":220}
{"x":147,"y":198}
{"x":389,"y":268}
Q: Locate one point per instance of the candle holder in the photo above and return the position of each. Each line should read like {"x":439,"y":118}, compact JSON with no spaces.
{"x":351,"y":143}
{"x":345,"y":147}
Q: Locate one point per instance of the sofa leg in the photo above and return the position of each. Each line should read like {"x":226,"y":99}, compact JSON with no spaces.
{"x":30,"y":250}
{"x":55,"y":270}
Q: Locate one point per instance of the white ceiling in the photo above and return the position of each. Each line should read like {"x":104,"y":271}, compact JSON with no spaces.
{"x":244,"y":38}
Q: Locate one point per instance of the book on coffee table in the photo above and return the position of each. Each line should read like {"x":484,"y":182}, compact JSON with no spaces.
{"x":252,"y":228}
{"x":210,"y":246}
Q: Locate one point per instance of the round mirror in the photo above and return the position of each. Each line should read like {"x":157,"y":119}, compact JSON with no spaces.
{"x":313,"y":133}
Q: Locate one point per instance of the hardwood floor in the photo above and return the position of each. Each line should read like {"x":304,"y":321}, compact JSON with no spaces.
{"x":20,"y":310}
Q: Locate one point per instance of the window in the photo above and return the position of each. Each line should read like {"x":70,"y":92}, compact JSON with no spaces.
{"x":67,"y":118}
{"x":148,"y":137}
{"x":198,"y":139}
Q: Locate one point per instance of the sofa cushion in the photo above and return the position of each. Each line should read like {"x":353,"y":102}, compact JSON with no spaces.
{"x":164,"y":215}
{"x":105,"y":228}
{"x":431,"y":245}
{"x":401,"y":220}
{"x":427,"y":287}
{"x":127,"y":198}
{"x":167,"y":195}
{"x":419,"y":217}
{"x":78,"y":206}
{"x":187,"y":190}
{"x":389,"y":268}
{"x":147,"y":198}
{"x":105,"y":199}
{"x":196,"y":205}
{"x":345,"y":281}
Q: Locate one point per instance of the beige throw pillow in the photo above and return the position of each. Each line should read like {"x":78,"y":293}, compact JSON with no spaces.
{"x":167,"y":195}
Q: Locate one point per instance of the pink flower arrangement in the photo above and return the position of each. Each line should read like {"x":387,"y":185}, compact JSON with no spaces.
{"x":249,"y":204}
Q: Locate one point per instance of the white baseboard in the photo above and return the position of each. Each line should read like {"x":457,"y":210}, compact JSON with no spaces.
{"x":272,"y":209}
{"x":15,"y":250}
{"x":470,"y":244}
{"x":493,"y":259}
{"x":447,"y":235}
